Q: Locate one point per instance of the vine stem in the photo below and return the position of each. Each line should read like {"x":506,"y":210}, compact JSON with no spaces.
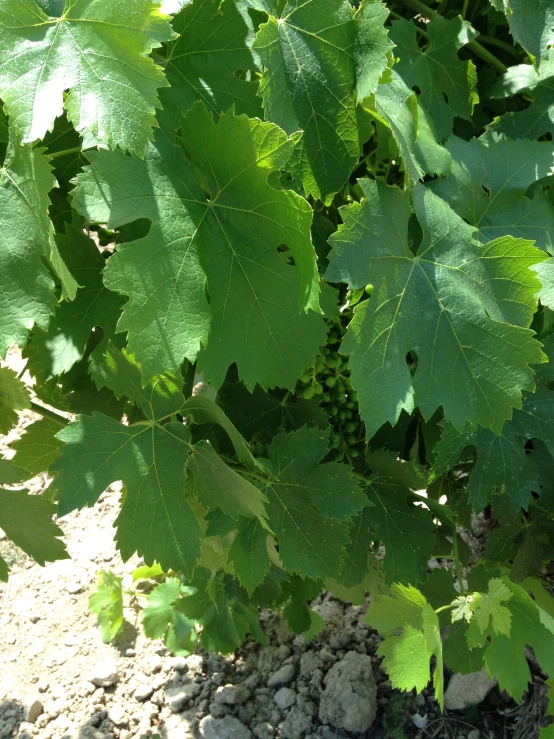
{"x":47,"y":413}
{"x":474,"y":46}
{"x":65,"y":152}
{"x":457,"y":560}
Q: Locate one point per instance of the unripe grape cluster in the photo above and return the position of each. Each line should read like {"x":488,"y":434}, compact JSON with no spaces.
{"x":328,"y":380}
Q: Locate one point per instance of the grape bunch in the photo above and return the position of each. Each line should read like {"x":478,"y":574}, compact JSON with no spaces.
{"x":328,"y":380}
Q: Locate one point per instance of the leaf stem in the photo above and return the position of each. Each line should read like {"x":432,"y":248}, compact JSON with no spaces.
{"x":464,"y":9}
{"x":443,"y":608}
{"x":508,"y":48}
{"x":47,"y":413}
{"x":457,"y":560}
{"x":65,"y":152}
{"x":473,"y":46}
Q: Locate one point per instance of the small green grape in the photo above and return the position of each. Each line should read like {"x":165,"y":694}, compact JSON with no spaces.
{"x":308,"y":392}
{"x":333,"y":362}
{"x":354,"y":453}
{"x":318,"y":388}
{"x":350,"y":404}
{"x":351,"y":439}
{"x":339,"y":457}
{"x":331,"y":381}
{"x":325,"y":350}
{"x":350,"y":427}
{"x":334,"y":443}
{"x":342,"y":415}
{"x":341,"y":398}
{"x":326,"y":398}
{"x":306,"y":377}
{"x":348,"y":414}
{"x":353,"y":395}
{"x":368,"y":290}
{"x":333,"y":410}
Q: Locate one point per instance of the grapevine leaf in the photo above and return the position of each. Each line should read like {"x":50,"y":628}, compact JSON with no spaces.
{"x":447,"y":85}
{"x":406,"y":530}
{"x":267,"y":413}
{"x":304,"y":511}
{"x":488,"y":184}
{"x":320,"y":58}
{"x":117,"y":370}
{"x":531,"y":23}
{"x":538,"y":118}
{"x":203,"y":410}
{"x":471,"y":297}
{"x":216,"y":485}
{"x":489,"y":607}
{"x":407,"y":655}
{"x":27,"y":520}
{"x":461,"y":608}
{"x":456,"y":653}
{"x":107,"y":602}
{"x":225,"y":619}
{"x":156,"y":519}
{"x":26,"y":287}
{"x":248,"y":553}
{"x":535,"y":419}
{"x":504,"y":475}
{"x":14,"y":396}
{"x":11,"y":473}
{"x":57,"y":349}
{"x":161,"y":620}
{"x":213,"y":44}
{"x":98,"y":52}
{"x":545,"y":271}
{"x":396,"y":104}
{"x":356,"y":563}
{"x":505,"y":656}
{"x":193,"y":238}
{"x":38,"y":447}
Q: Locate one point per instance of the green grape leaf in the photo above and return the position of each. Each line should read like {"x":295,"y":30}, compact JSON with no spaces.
{"x":216,"y":485}
{"x":248,"y":553}
{"x":267,"y":413}
{"x":447,"y":85}
{"x":406,"y":530}
{"x":116,"y":369}
{"x":226,"y":619}
{"x":202,"y":410}
{"x":107,"y":602}
{"x":214,"y":43}
{"x":504,"y":475}
{"x":57,"y":349}
{"x":27,"y":520}
{"x":538,"y":118}
{"x":11,"y":473}
{"x":477,"y":301}
{"x":488,"y":187}
{"x":193,"y":239}
{"x":457,"y":654}
{"x":356,"y":562}
{"x":26,"y":287}
{"x":407,"y":655}
{"x":161,"y":620}
{"x":488,"y":607}
{"x":504,"y":655}
{"x":531,"y":23}
{"x":98,"y":53}
{"x":320,"y":58}
{"x":545,"y":272}
{"x":14,"y":396}
{"x":156,"y":519}
{"x":396,"y":105}
{"x":304,"y":510}
{"x":38,"y":447}
{"x":461,"y":608}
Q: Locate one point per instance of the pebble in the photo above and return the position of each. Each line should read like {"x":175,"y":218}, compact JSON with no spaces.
{"x":178,"y":696}
{"x":285,"y":698}
{"x":232,"y":695}
{"x":464,"y":691}
{"x":32,"y":711}
{"x":227,"y":727}
{"x":283,"y":676}
{"x":118,"y":716}
{"x":104,"y":674}
{"x":143,"y":692}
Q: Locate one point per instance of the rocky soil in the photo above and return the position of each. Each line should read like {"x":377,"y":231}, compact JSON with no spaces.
{"x":59,"y":681}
